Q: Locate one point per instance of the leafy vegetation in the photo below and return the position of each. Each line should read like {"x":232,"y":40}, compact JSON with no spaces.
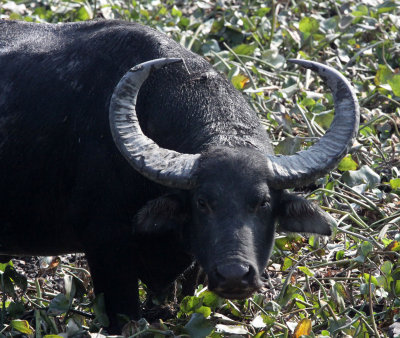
{"x":347,"y":284}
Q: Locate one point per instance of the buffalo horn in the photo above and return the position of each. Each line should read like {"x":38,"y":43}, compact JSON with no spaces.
{"x":304,"y":167}
{"x":166,"y":167}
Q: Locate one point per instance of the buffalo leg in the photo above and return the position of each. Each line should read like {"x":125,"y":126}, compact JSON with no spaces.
{"x":113,"y":275}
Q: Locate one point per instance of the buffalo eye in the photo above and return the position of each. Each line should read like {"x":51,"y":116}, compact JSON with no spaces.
{"x":202,"y":204}
{"x":263,"y":203}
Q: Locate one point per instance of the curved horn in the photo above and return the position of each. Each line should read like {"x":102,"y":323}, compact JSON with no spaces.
{"x":166,"y":167}
{"x":304,"y":167}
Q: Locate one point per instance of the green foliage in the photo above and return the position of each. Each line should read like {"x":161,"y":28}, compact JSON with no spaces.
{"x":347,"y":163}
{"x":250,"y":41}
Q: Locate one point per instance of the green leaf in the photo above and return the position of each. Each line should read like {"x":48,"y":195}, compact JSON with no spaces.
{"x":263,"y":11}
{"x":306,"y":271}
{"x":374,"y":281}
{"x":234,"y":309}
{"x":383,"y":75}
{"x":347,"y":163}
{"x":4,"y":265}
{"x":308,"y":25}
{"x":367,"y":131}
{"x":393,"y":246}
{"x":338,"y":292}
{"x":244,"y":49}
{"x":324,"y":119}
{"x":339,"y":255}
{"x":361,"y":10}
{"x":12,"y":278}
{"x":291,"y":293}
{"x":366,"y":248}
{"x":396,"y":274}
{"x":387,"y":6}
{"x":395,"y":183}
{"x":364,"y":288}
{"x":204,"y":310}
{"x":211,"y":299}
{"x":308,"y":102}
{"x":190,"y":304}
{"x":365,"y":175}
{"x":21,"y":326}
{"x":395,"y":84}
{"x":239,"y":81}
{"x":83,"y":14}
{"x":176,"y":12}
{"x":286,"y":243}
{"x":198,"y":326}
{"x":58,"y":305}
{"x":287,"y":263}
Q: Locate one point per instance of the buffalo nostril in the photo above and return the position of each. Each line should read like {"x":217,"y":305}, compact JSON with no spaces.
{"x":235,"y":274}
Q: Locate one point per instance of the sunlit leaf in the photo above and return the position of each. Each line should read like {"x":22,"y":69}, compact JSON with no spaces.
{"x":387,"y":6}
{"x":395,"y":84}
{"x":83,"y":14}
{"x":393,"y":246}
{"x":190,"y":304}
{"x":303,"y":328}
{"x":204,"y":310}
{"x":231,"y":329}
{"x":347,"y":163}
{"x":324,"y":119}
{"x":306,"y":271}
{"x":383,"y":75}
{"x":239,"y":81}
{"x":308,"y":25}
{"x":244,"y":49}
{"x":395,"y":183}
{"x":4,"y":265}
{"x":361,"y":10}
{"x":374,"y":281}
{"x":211,"y":299}
{"x":21,"y":326}
{"x":176,"y":12}
{"x":287,"y":263}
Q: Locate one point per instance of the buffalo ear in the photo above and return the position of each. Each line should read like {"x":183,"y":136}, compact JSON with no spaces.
{"x":161,"y":215}
{"x":296,"y":214}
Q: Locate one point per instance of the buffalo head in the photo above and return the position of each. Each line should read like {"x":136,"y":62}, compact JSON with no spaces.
{"x":226,"y":201}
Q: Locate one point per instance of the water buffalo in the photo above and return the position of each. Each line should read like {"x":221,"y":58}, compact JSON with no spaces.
{"x":149,"y":171}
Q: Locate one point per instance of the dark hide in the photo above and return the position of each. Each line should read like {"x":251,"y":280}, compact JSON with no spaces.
{"x":64,"y":186}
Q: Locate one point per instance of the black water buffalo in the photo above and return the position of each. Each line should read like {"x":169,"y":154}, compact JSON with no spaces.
{"x":196,"y":179}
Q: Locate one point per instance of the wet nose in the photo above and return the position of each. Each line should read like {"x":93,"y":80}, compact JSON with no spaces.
{"x":235,"y":277}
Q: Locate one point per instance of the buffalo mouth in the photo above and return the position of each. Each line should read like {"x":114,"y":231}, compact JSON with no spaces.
{"x":235,"y":293}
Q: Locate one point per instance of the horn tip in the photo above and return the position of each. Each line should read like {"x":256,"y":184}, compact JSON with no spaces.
{"x":301,"y":62}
